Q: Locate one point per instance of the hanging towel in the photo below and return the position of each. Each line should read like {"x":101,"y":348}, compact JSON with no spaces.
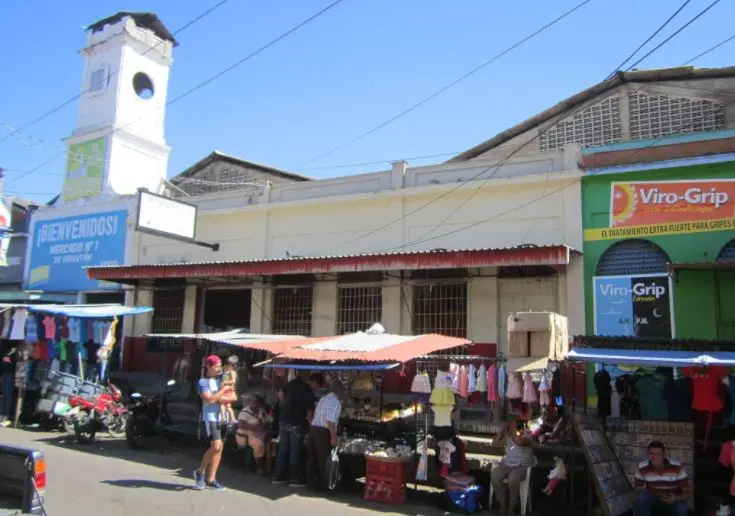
{"x":543,"y":389}
{"x":481,"y":379}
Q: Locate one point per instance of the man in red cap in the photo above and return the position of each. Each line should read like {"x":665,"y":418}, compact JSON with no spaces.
{"x":209,"y":390}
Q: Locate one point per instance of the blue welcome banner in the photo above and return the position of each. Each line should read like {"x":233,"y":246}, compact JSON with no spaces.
{"x":61,"y":248}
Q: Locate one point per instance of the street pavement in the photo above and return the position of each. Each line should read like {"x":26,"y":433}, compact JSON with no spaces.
{"x":109,"y":479}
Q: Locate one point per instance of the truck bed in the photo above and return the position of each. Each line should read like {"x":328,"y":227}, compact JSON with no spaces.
{"x":17,"y":469}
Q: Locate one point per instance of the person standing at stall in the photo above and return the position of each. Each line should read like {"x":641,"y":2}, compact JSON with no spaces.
{"x":296,"y":412}
{"x":211,"y":394}
{"x":322,"y":439}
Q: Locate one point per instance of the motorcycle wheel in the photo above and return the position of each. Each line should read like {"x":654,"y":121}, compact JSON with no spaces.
{"x":82,"y":429}
{"x":117,"y":426}
{"x":134,"y":433}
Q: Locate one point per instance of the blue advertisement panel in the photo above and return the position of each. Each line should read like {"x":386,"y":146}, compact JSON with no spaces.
{"x":633,"y":306}
{"x":61,"y":248}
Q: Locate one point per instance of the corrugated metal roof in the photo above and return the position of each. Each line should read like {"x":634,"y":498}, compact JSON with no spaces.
{"x":297,"y":258}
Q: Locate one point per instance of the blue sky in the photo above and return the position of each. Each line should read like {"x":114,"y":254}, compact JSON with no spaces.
{"x":350,"y":70}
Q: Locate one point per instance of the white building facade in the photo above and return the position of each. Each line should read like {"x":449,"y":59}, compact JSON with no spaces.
{"x":451,"y":248}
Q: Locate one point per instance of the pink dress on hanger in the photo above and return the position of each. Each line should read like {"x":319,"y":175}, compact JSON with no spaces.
{"x":515,"y":387}
{"x":529,"y":391}
{"x":464,"y":382}
{"x":492,"y":383}
{"x":543,"y":391}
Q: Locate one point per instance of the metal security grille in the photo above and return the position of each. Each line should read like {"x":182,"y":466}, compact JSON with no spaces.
{"x":168,"y":311}
{"x":652,"y":116}
{"x":727,"y":253}
{"x":596,"y":125}
{"x":632,"y":257}
{"x":440,"y":308}
{"x":358,"y":308}
{"x":292,"y":310}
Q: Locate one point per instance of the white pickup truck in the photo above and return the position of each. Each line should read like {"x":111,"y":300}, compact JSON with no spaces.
{"x":22,"y":481}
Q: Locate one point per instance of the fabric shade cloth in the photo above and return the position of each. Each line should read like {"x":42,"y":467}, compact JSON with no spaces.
{"x":85,"y":311}
{"x":653,"y":357}
{"x":366,"y":347}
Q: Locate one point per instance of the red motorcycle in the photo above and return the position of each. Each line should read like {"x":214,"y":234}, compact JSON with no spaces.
{"x":101,"y":413}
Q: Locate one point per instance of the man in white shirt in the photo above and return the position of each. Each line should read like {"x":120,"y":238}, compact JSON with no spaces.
{"x":322,"y":438}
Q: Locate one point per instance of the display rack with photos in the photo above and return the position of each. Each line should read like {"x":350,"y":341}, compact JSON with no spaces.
{"x":630,"y":440}
{"x":613,"y":488}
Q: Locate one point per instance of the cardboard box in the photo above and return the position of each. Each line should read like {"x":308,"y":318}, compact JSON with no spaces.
{"x":550,"y":339}
{"x":530,"y":321}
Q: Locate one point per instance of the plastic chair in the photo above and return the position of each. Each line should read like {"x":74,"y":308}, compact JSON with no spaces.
{"x":525,"y":488}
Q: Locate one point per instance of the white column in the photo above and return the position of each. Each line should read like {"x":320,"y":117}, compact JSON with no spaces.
{"x":261,"y":310}
{"x":324,"y":309}
{"x":392,"y":305}
{"x":574,"y":280}
{"x":188,"y":323}
{"x":482,"y":326}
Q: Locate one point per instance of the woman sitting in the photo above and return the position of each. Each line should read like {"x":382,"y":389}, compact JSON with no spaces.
{"x":253,"y":430}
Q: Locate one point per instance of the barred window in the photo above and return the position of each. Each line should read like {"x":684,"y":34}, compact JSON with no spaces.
{"x":358,"y":308}
{"x":440,"y":308}
{"x":596,"y":125}
{"x":168,"y":311}
{"x":292,"y":310}
{"x":653,"y":116}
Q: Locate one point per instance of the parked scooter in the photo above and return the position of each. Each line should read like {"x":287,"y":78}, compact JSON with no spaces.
{"x":149,"y":417}
{"x":103,"y":413}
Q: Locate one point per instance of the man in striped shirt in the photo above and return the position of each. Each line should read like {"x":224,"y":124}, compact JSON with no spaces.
{"x":661,"y":483}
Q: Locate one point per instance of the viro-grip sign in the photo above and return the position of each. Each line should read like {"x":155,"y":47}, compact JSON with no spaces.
{"x":638,"y":306}
{"x":61,"y":248}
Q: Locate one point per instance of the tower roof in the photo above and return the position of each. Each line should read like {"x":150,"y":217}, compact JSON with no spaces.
{"x":149,"y":21}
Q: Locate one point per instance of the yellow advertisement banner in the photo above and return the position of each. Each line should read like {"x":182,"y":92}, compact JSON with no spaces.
{"x":649,"y":230}
{"x":85,"y":169}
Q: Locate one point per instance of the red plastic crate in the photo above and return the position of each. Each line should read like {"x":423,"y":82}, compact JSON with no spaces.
{"x":382,"y":470}
{"x":379,"y":491}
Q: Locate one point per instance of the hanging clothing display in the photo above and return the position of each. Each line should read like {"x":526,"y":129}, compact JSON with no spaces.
{"x":650,"y":389}
{"x":706,"y":399}
{"x":614,"y":402}
{"x":464,"y":382}
{"x":492,"y":383}
{"x":442,"y":399}
{"x":74,"y":326}
{"x":603,"y":387}
{"x":529,"y":391}
{"x":543,"y":390}
{"x":421,"y":387}
{"x":727,"y":459}
{"x":472,"y":374}
{"x":515,"y":386}
{"x":18,"y":325}
{"x":49,"y":326}
{"x":6,"y":324}
{"x":31,"y":329}
{"x":501,"y":376}
{"x":481,"y":384}
{"x":454,"y":375}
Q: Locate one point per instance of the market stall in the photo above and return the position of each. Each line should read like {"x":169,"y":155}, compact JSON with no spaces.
{"x":680,"y":397}
{"x":39,"y":343}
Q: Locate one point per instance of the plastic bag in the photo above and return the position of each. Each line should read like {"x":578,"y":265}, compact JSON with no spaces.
{"x":333,"y":468}
{"x":422,"y":470}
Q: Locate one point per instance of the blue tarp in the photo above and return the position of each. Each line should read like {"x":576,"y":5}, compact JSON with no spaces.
{"x":644,"y":357}
{"x":85,"y":311}
{"x":338,"y":367}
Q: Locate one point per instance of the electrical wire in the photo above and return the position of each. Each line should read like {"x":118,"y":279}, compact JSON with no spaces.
{"x":710,"y":49}
{"x":205,"y":82}
{"x":676,"y":33}
{"x":499,"y":164}
{"x":79,"y":95}
{"x":447,"y":87}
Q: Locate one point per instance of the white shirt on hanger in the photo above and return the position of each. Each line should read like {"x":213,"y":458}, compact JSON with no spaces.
{"x":18,"y":332}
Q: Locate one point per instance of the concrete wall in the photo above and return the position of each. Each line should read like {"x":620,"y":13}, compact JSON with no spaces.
{"x":532,"y":201}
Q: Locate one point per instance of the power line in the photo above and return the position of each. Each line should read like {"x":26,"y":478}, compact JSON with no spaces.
{"x":208,"y":80}
{"x":676,"y":33}
{"x":710,"y":49}
{"x":499,"y":164}
{"x":451,"y":84}
{"x":662,"y":27}
{"x":79,"y":95}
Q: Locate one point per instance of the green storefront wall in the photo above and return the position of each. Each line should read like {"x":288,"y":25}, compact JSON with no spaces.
{"x":704,"y":300}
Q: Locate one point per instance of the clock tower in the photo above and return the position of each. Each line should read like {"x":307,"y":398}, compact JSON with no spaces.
{"x":118,"y":145}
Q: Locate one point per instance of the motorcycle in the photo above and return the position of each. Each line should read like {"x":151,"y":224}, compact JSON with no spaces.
{"x":102,"y":413}
{"x":149,"y":417}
